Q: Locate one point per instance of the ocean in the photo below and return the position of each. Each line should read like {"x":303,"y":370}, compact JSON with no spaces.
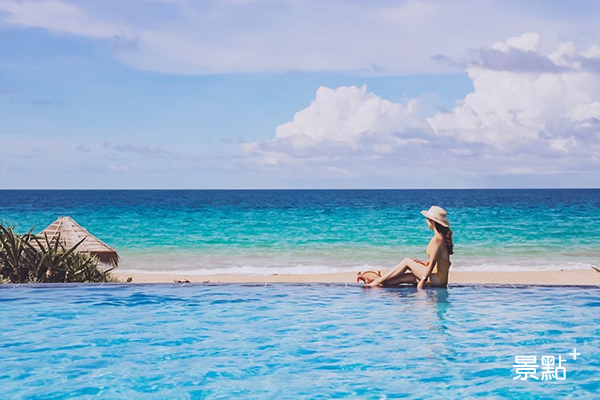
{"x":320,"y":231}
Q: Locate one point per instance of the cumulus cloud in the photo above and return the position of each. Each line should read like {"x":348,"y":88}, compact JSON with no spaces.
{"x":527,"y":42}
{"x":516,"y":106}
{"x":548,"y":112}
{"x":339,"y":121}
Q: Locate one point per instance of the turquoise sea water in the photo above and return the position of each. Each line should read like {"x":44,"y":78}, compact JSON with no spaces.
{"x":275,"y":231}
{"x":294,"y":341}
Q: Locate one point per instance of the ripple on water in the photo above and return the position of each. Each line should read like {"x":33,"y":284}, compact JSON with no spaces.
{"x":293,"y":341}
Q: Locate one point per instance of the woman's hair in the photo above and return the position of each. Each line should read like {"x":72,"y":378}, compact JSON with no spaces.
{"x":447,"y":235}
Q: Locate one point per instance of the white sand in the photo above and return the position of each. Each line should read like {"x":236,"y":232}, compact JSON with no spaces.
{"x":570,"y":277}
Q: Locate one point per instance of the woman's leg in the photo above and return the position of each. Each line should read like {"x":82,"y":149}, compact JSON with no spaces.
{"x":405,"y":265}
{"x":404,"y":278}
{"x":367,"y":276}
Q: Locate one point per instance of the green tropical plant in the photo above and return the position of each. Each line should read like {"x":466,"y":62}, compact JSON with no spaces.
{"x":14,"y":254}
{"x":27,"y":258}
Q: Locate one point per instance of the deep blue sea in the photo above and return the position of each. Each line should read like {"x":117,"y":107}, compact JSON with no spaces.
{"x":289,"y":341}
{"x":304,"y":231}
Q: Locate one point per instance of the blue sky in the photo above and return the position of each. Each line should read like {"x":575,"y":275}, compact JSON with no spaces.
{"x":288,"y":94}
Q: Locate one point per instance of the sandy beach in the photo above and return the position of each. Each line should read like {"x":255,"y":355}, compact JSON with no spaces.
{"x":571,"y":277}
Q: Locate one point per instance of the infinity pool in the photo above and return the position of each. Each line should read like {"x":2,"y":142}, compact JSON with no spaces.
{"x":301,"y":341}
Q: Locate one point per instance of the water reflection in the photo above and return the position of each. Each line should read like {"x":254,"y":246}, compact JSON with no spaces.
{"x":430,"y":307}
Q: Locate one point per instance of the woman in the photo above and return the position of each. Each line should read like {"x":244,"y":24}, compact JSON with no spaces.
{"x":418,"y":272}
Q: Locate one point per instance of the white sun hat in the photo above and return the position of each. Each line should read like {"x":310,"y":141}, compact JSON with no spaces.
{"x":437,"y":214}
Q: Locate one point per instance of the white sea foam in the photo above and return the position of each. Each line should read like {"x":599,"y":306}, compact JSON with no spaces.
{"x":212,"y":265}
{"x":521,"y":265}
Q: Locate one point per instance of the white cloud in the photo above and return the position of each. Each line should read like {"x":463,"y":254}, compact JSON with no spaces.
{"x":524,"y":107}
{"x":345,"y":114}
{"x":215,"y":36}
{"x":57,"y":16}
{"x":343,"y":120}
{"x":526,"y":42}
{"x":517,"y":121}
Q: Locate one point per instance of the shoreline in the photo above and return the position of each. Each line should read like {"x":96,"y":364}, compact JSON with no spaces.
{"x":565,"y":277}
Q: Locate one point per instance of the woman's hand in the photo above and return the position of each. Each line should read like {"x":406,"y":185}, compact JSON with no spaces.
{"x":426,"y":263}
{"x":422,"y":281}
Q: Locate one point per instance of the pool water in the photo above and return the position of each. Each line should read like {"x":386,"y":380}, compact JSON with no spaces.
{"x":300,"y":341}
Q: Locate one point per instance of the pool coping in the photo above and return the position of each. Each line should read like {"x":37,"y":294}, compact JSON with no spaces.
{"x":9,"y":286}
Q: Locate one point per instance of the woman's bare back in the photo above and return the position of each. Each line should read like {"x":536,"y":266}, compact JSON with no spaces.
{"x":441,"y":268}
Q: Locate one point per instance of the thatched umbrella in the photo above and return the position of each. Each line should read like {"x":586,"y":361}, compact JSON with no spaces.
{"x":71,"y":233}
